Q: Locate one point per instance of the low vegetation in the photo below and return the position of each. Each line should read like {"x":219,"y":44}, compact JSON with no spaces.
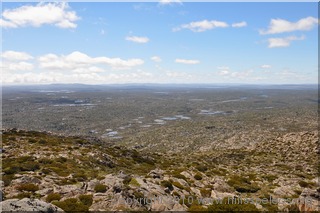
{"x":29,"y":187}
{"x":243,"y":185}
{"x":53,"y":197}
{"x":100,"y":188}
{"x":198,"y":176}
{"x":71,"y":205}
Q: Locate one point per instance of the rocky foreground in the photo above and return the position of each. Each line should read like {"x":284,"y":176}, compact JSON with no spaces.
{"x":47,"y":172}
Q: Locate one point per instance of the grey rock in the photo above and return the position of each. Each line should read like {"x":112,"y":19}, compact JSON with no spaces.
{"x":26,"y":179}
{"x":28,"y":205}
{"x":157,"y":173}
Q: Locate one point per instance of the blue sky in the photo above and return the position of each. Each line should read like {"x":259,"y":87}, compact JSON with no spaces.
{"x":106,"y":43}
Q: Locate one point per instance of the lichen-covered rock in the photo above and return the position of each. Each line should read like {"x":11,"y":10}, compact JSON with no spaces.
{"x":157,"y":173}
{"x":28,"y":205}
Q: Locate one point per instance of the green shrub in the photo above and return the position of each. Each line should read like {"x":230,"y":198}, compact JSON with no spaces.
{"x":7,"y":179}
{"x":178,"y":185}
{"x":45,"y":161}
{"x":242,"y":185}
{"x":71,"y":205}
{"x":188,"y":189}
{"x":269,"y":178}
{"x":100,"y":188}
{"x":11,"y":170}
{"x":30,"y":187}
{"x":237,"y":180}
{"x":271,"y":207}
{"x":202,"y":168}
{"x":67,"y":181}
{"x":298,"y":192}
{"x":180,"y":176}
{"x":24,"y":159}
{"x":23,"y":195}
{"x":198,"y":176}
{"x":32,"y":140}
{"x":205,"y":192}
{"x":12,"y":138}
{"x":100,"y":177}
{"x":53,"y":196}
{"x":134,"y":182}
{"x":246,"y":188}
{"x":42,"y":141}
{"x":80,"y":176}
{"x":176,"y":194}
{"x":141,"y":159}
{"x":293,"y":208}
{"x":220,"y":172}
{"x":140,"y":197}
{"x":45,"y":171}
{"x":86,"y":199}
{"x":59,"y":170}
{"x":303,"y":184}
{"x":167,"y":184}
{"x":30,"y":166}
{"x":196,"y":208}
{"x":24,"y":163}
{"x":61,"y":159}
{"x":126,"y":180}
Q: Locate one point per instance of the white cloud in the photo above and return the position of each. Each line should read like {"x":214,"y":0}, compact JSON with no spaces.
{"x":52,"y":61}
{"x":265,"y":66}
{"x":156,"y":59}
{"x":137,"y":39}
{"x":57,"y":14}
{"x":17,"y":66}
{"x":50,"y":77}
{"x":201,"y":26}
{"x":88,"y":78}
{"x":240,"y":24}
{"x":242,"y":75}
{"x":174,"y":74}
{"x":167,"y":2}
{"x":87,"y":70}
{"x":185,"y":61}
{"x":15,"y":56}
{"x":118,"y":63}
{"x":78,"y":60}
{"x":282,"y":26}
{"x":227,"y":74}
{"x":283,"y":42}
{"x":224,"y":70}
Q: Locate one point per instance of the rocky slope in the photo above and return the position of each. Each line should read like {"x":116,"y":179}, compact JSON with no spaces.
{"x":81,"y":174}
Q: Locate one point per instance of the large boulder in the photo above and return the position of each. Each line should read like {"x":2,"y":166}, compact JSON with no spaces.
{"x":25,"y":179}
{"x":28,"y":205}
{"x":68,"y":190}
{"x":220,"y":185}
{"x":283,"y":191}
{"x":221,"y":195}
{"x":156,"y":174}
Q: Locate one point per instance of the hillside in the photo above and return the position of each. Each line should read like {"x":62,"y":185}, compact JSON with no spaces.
{"x":87,"y":173}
